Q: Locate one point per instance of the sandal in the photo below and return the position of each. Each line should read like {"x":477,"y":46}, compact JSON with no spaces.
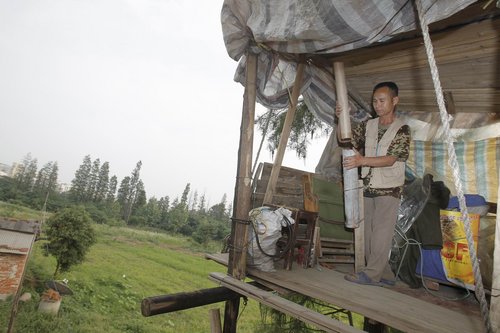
{"x":361,"y":278}
{"x":387,"y":282}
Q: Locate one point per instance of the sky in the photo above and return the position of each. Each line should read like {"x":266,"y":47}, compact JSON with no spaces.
{"x":125,"y":81}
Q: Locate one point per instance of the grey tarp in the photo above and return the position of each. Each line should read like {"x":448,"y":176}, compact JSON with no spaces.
{"x":314,"y":27}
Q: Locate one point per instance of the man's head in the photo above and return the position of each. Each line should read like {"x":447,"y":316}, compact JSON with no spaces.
{"x":385,"y":98}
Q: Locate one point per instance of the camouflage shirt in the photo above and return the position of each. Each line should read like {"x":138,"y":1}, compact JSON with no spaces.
{"x":399,"y":147}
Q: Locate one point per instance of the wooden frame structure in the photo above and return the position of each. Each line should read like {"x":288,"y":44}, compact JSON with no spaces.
{"x":237,"y":260}
{"x":401,"y":60}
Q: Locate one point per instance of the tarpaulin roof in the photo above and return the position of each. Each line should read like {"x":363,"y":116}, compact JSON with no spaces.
{"x":278,"y":31}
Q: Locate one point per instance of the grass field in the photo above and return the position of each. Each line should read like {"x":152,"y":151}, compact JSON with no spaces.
{"x":123,"y":267}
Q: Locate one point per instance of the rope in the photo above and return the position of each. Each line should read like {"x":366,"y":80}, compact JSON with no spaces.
{"x":452,"y":161}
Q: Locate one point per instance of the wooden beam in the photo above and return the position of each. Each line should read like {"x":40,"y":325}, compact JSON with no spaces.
{"x":285,"y":134}
{"x":495,"y":285}
{"x":243,"y":191}
{"x":295,"y":310}
{"x":151,"y":306}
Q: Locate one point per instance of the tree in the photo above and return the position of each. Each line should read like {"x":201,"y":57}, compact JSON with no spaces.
{"x":123,"y":194}
{"x":70,"y":235}
{"x":26,"y":173}
{"x":102,"y":185}
{"x":304,"y":125}
{"x":46,"y":180}
{"x":92,"y":180}
{"x":110,"y":196}
{"x":131,"y":193}
{"x":79,"y":183}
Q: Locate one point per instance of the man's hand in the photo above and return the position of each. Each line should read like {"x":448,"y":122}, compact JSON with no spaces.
{"x":352,"y":162}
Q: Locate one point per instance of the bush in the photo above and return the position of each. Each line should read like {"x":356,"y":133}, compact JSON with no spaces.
{"x":70,"y":235}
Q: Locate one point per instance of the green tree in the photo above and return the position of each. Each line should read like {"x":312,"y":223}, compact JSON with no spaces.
{"x":92,"y":180}
{"x":70,"y":235}
{"x":46,"y":180}
{"x":304,"y":126}
{"x":102,"y":185}
{"x":25,"y":174}
{"x":123,"y":195}
{"x":79,"y":184}
{"x":110,"y":196}
{"x":178,"y":215}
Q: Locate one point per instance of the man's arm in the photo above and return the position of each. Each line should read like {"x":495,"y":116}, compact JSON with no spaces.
{"x":359,"y":161}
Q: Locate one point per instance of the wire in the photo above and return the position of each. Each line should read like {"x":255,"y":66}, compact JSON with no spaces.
{"x":289,"y":242}
{"x":411,"y":241}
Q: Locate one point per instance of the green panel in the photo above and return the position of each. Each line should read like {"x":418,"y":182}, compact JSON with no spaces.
{"x":331,"y":209}
{"x":331,"y":199}
{"x":333,"y":230}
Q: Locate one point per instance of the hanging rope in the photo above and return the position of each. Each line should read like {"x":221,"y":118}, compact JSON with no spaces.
{"x":452,"y":161}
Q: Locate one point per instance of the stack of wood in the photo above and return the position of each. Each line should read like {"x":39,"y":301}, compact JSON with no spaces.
{"x":338,"y":251}
{"x":289,"y":187}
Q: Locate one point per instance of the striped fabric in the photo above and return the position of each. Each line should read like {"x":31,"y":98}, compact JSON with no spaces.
{"x":478,"y":161}
{"x":277,"y":29}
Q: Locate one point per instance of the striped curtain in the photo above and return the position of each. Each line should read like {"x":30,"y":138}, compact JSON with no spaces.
{"x":478,"y":163}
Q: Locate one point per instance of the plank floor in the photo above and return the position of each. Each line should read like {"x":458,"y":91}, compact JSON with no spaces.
{"x":395,"y":307}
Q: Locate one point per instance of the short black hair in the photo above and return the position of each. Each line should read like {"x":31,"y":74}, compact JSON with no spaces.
{"x":389,"y":84}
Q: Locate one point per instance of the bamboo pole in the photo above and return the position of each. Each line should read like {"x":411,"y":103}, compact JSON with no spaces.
{"x":351,"y":183}
{"x":242,"y":193}
{"x":285,"y":134}
{"x":343,"y":100}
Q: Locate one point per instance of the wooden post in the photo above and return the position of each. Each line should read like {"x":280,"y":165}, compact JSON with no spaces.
{"x":215,"y":326}
{"x":495,"y":285}
{"x":242,"y":193}
{"x":285,"y":134}
{"x":359,"y":234}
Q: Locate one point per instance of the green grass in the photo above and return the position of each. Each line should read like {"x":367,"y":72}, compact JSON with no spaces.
{"x":123,"y":267}
{"x":19,"y":212}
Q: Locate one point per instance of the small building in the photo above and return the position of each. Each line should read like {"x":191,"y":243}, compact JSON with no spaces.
{"x":16,"y":240}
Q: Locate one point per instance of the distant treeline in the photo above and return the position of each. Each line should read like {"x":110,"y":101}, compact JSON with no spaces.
{"x":108,"y":203}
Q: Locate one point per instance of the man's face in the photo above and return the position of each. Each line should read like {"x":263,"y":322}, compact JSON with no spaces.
{"x":383,"y":102}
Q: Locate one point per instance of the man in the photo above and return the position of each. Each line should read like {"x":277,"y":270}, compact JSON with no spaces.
{"x":386,"y":142}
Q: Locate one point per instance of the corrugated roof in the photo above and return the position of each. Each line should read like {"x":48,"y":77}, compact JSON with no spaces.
{"x":31,"y":227}
{"x":15,"y":242}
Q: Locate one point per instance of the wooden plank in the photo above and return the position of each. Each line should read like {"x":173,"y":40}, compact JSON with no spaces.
{"x":337,"y":259}
{"x":285,"y":133}
{"x":495,"y":289}
{"x":473,"y":40}
{"x":381,"y":304}
{"x":328,"y":324}
{"x":310,"y":199}
{"x":384,"y":305}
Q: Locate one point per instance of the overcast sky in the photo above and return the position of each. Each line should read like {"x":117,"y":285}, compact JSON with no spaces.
{"x":124,"y":81}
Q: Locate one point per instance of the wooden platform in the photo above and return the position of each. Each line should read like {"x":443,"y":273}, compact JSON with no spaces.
{"x":390,"y":306}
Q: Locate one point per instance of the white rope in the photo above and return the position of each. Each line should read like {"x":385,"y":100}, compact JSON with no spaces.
{"x":452,"y":161}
